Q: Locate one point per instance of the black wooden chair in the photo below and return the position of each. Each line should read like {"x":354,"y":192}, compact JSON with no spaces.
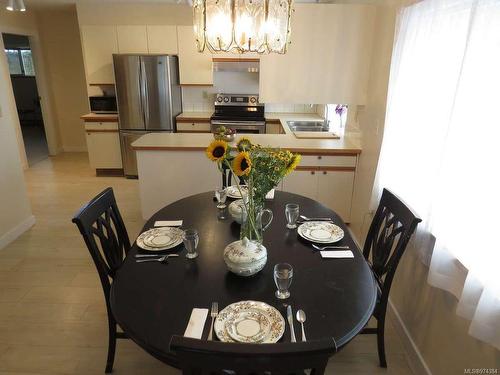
{"x":104,"y":233}
{"x":215,"y":357}
{"x":386,"y":241}
{"x":227,"y":177}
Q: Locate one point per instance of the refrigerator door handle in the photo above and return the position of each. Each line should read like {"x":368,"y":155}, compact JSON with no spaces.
{"x":145,"y":94}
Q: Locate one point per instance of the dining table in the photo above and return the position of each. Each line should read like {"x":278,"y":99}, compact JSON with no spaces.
{"x":152,"y":301}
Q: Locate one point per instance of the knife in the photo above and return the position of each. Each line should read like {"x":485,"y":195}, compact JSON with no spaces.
{"x":289,"y":315}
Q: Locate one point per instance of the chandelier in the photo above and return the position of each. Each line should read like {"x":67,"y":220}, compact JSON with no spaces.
{"x":14,"y":5}
{"x":261,"y":26}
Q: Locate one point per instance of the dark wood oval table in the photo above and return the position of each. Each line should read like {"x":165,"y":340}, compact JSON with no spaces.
{"x":153,"y":301}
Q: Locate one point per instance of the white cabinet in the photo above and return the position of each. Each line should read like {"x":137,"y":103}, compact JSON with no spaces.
{"x":132,"y":39}
{"x":162,"y":39}
{"x":328,"y":179}
{"x":193,"y":127}
{"x":194,"y":68}
{"x":99,"y":43}
{"x":335,"y":191}
{"x":302,"y":182}
{"x":328,"y":60}
{"x":103,"y":144}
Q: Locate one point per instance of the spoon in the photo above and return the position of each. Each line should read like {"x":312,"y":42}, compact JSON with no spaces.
{"x":163,"y":259}
{"x":315,"y":218}
{"x":301,"y":318}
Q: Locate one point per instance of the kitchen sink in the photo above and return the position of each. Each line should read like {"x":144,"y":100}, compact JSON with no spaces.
{"x":308,"y":126}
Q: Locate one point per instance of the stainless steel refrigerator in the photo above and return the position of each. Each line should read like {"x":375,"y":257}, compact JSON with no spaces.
{"x":149,"y":98}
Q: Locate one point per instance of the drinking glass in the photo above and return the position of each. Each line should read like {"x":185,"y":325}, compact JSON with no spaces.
{"x":283,"y":274}
{"x":221,"y":195}
{"x":291,"y":214}
{"x":191,"y":240}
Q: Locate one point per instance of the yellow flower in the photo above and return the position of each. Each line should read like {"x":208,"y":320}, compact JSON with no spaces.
{"x":216,"y":151}
{"x":242,"y":164}
{"x":244,"y":144}
{"x":292,"y":164}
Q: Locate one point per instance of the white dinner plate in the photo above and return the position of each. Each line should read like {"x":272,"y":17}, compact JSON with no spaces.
{"x":249,"y":322}
{"x":233,"y":192}
{"x":158,"y":239}
{"x":320,"y":231}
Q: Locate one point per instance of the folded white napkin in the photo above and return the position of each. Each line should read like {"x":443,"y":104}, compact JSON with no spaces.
{"x":337,"y":254}
{"x":168,"y":223}
{"x":270,"y":194}
{"x":196,"y":323}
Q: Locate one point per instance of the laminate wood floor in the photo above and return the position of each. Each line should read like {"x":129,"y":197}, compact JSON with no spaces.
{"x":52,"y":313}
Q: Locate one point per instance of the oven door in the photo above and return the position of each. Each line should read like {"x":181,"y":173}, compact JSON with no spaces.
{"x":242,"y":127}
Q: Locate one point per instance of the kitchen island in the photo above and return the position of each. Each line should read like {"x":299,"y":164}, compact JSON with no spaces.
{"x":174,"y":165}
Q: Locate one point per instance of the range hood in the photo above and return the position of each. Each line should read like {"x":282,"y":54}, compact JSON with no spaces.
{"x":223,"y":64}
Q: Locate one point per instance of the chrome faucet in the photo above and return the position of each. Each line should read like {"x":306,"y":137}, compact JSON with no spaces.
{"x":326,"y":122}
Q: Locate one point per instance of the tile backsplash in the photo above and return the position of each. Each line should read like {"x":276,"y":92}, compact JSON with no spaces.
{"x":201,"y":99}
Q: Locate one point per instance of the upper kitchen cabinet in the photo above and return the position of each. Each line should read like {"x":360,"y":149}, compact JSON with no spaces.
{"x":194,"y":68}
{"x":328,"y":60}
{"x":162,"y":39}
{"x":132,"y":39}
{"x":99,"y":44}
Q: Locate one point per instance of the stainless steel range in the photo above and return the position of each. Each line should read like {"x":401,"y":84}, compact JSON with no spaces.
{"x":242,"y":112}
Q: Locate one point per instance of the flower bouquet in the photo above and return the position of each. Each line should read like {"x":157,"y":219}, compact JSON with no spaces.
{"x":261,"y":168}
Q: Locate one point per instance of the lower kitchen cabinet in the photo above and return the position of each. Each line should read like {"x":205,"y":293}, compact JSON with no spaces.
{"x":335,"y":191}
{"x":330,"y":185}
{"x":103,"y":144}
{"x":193,"y":127}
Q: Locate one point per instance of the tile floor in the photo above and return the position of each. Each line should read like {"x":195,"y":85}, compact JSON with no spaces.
{"x":52,"y":313}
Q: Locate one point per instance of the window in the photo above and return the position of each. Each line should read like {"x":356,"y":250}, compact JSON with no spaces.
{"x":20,"y":62}
{"x":336,"y":114}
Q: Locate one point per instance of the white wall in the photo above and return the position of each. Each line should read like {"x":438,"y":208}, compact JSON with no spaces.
{"x":62,"y":50}
{"x":15,"y":214}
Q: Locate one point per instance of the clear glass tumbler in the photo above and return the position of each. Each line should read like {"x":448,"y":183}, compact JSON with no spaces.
{"x":283,"y":275}
{"x":191,"y":240}
{"x":221,"y":195}
{"x":291,"y":214}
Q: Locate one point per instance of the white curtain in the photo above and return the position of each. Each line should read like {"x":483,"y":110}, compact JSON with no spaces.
{"x":441,"y":148}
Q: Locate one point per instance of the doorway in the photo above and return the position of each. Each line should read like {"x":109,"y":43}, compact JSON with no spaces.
{"x":22,"y":75}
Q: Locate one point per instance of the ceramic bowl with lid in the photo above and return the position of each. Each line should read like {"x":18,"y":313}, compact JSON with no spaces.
{"x":245,"y":257}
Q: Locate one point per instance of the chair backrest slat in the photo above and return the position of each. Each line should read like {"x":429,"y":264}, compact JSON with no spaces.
{"x":213,"y":357}
{"x":389,"y":234}
{"x":105,"y":235}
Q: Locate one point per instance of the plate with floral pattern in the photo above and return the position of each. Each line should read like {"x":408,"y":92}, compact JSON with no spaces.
{"x":158,"y":239}
{"x":249,"y":322}
{"x":233,"y":192}
{"x":320,"y":231}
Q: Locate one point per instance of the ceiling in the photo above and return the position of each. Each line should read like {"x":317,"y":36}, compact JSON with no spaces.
{"x":37,"y":4}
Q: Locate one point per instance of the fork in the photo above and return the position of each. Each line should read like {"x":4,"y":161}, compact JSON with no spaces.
{"x":321,"y":248}
{"x":213,"y":314}
{"x":163,"y":259}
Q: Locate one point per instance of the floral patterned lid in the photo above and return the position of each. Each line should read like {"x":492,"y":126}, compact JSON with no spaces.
{"x":244,"y":252}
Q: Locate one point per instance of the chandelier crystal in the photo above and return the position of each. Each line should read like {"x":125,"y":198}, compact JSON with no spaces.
{"x":261,"y":26}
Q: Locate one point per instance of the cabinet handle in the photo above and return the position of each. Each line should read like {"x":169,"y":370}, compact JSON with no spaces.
{"x":319,"y":157}
{"x":324,"y":172}
{"x":192,"y":124}
{"x":312,"y":172}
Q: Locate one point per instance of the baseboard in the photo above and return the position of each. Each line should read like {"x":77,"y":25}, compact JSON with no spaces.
{"x":416,"y":361}
{"x":15,"y":232}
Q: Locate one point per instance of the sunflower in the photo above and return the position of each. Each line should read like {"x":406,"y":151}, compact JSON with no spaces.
{"x":292,"y":164}
{"x":244,"y":144}
{"x":216,"y":151}
{"x":242,"y":164}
